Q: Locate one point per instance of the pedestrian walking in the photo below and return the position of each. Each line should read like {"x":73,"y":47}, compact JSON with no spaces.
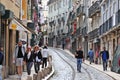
{"x":45,"y":54}
{"x":96,"y":56}
{"x":79,"y":56}
{"x":1,"y":62}
{"x":28,"y":59}
{"x":105,"y":57}
{"x":18,"y":58}
{"x":91,"y":55}
{"x":37,"y":58}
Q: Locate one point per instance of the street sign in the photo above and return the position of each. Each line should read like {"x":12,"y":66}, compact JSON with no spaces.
{"x":14,"y":26}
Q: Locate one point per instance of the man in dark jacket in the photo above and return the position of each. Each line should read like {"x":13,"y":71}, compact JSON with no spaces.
{"x":79,"y":56}
{"x":105,"y":57}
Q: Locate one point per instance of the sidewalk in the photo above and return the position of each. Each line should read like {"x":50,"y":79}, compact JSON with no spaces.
{"x":24,"y":75}
{"x":100,"y":68}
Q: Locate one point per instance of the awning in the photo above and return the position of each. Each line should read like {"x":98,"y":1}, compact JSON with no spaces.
{"x":18,"y":25}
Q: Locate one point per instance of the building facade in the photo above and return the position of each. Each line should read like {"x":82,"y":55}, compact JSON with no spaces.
{"x":109,"y":26}
{"x":12,"y":29}
{"x":58,"y":15}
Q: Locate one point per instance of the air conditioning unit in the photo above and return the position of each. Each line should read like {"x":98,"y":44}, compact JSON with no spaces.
{"x":8,"y":14}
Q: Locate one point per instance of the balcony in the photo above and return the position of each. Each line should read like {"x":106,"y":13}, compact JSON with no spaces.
{"x":80,"y":10}
{"x":73,"y":17}
{"x":84,"y":31}
{"x":93,"y":34}
{"x":51,"y":35}
{"x":78,"y":31}
{"x":106,"y":26}
{"x":69,"y":32}
{"x":118,"y":17}
{"x":95,"y":8}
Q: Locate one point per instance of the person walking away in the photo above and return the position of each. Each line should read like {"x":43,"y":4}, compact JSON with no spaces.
{"x":18,"y":58}
{"x":96,"y":56}
{"x":91,"y":55}
{"x":28,"y":59}
{"x":37,"y":58}
{"x":45,"y":55}
{"x":1,"y":62}
{"x":79,"y":56}
{"x":105,"y":57}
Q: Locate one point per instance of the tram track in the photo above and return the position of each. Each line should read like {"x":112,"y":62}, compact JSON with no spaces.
{"x":74,"y":73}
{"x":89,"y":74}
{"x":90,"y":77}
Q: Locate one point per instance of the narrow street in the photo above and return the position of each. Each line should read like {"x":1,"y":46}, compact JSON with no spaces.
{"x":62,"y":62}
{"x":46,"y":39}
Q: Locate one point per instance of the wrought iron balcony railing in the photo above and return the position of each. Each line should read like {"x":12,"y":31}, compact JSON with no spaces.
{"x":106,"y":26}
{"x":93,"y":34}
{"x":80,"y":10}
{"x":84,"y":31}
{"x":73,"y":17}
{"x":94,"y":8}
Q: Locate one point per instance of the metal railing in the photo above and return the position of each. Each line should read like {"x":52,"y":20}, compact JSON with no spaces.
{"x":106,"y":26}
{"x":93,"y":34}
{"x":94,"y":8}
{"x":80,"y":10}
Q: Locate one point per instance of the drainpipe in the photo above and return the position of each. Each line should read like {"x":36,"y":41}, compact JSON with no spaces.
{"x":21,"y":10}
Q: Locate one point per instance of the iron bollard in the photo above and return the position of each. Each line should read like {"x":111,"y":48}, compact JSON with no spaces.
{"x":29,"y":78}
{"x":43,"y":73}
{"x":39,"y":77}
{"x":34,"y":76}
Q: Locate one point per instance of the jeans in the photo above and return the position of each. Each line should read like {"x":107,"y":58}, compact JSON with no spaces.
{"x":0,"y":72}
{"x":91,"y":59}
{"x":29,"y":66}
{"x":44,"y":64}
{"x":79,"y":62}
{"x":37,"y":66}
{"x":104,"y":65}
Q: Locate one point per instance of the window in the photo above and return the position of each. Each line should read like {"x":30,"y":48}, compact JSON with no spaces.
{"x":110,"y":13}
{"x":51,"y":8}
{"x":114,"y":7}
{"x":70,"y":3}
{"x":111,"y":1}
{"x":63,"y":2}
{"x":104,"y":7}
{"x":103,"y":17}
{"x":66,"y":2}
{"x":107,"y":3}
{"x":107,"y":14}
{"x":55,"y":7}
{"x":60,"y":4}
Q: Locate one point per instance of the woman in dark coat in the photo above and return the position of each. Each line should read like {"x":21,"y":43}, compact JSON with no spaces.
{"x":37,"y":58}
{"x":28,"y":59}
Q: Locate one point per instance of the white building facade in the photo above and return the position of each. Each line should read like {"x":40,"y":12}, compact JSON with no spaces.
{"x":57,"y":18}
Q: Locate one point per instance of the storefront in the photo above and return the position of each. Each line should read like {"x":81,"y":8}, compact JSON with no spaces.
{"x":2,"y":12}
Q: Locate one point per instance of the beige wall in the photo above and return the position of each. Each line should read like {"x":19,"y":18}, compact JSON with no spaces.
{"x":10,"y":5}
